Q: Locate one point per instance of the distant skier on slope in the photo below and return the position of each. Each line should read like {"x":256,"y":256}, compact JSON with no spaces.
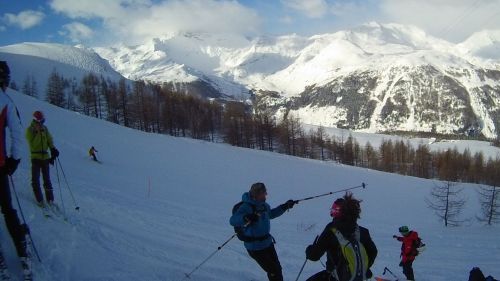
{"x":409,"y":250}
{"x":9,"y":117}
{"x":92,"y":152}
{"x":350,"y":249}
{"x":40,"y":141}
{"x":256,"y":214}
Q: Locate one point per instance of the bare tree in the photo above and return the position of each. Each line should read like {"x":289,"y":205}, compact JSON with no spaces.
{"x":490,"y":204}
{"x":447,"y":203}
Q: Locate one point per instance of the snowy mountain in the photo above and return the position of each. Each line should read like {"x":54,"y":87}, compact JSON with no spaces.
{"x":40,"y":59}
{"x":157,"y":206}
{"x":377,"y":77}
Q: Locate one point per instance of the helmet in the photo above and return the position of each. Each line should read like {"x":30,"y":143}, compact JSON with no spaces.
{"x":336,"y":210}
{"x":38,"y":116}
{"x":4,"y":74}
{"x":404,"y":230}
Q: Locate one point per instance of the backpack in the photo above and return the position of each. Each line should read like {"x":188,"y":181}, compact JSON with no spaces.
{"x":419,"y":246}
{"x":354,"y":258}
{"x":239,"y":230}
{"x":476,"y":275}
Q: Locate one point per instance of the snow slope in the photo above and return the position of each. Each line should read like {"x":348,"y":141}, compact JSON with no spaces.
{"x":158,"y":206}
{"x":40,"y":59}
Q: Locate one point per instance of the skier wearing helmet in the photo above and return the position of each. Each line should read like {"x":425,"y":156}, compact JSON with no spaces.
{"x":409,"y":250}
{"x":349,"y":248}
{"x":40,"y":142}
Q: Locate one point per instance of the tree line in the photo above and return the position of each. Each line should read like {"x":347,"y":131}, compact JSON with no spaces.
{"x":154,"y":107}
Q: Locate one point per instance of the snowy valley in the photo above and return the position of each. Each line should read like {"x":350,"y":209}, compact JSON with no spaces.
{"x":158,"y":205}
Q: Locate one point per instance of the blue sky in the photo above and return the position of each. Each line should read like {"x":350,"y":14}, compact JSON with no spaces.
{"x":108,"y":22}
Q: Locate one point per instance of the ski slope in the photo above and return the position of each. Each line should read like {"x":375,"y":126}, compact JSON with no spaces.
{"x":158,"y":206}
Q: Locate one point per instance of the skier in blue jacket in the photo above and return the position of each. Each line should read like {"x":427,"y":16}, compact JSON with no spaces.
{"x":255,"y":216}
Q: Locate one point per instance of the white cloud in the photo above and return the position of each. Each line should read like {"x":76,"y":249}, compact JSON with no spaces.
{"x":77,"y":32}
{"x":25,"y":19}
{"x":286,"y":20}
{"x":137,"y":20}
{"x":454,"y":20}
{"x":311,"y":8}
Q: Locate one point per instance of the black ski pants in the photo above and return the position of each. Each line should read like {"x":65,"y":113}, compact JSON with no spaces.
{"x":42,"y":166}
{"x":408,"y":270}
{"x":16,"y":230}
{"x":268,"y":260}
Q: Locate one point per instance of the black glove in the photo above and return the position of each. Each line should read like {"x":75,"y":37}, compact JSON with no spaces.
{"x":52,"y":161}
{"x":394,"y":236}
{"x":309,"y":253}
{"x":288,"y":204}
{"x":251,"y":218}
{"x":54,"y":152}
{"x":369,"y":274}
{"x":11,"y":165}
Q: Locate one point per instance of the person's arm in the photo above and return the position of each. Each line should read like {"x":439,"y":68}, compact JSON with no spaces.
{"x":50,"y":141}
{"x":370,"y":247}
{"x":325,"y":241}
{"x":16,"y":131}
{"x":276,"y":212}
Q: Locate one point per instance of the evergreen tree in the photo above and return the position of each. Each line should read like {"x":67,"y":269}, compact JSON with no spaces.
{"x":30,"y":86}
{"x":55,"y":89}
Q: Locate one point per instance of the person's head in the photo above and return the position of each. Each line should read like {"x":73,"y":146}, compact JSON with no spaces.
{"x":38,"y":117}
{"x":258,"y":192}
{"x":4,"y":75}
{"x":346,"y":209}
{"x":404,"y":230}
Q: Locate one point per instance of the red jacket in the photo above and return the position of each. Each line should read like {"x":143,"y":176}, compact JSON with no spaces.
{"x":409,"y":246}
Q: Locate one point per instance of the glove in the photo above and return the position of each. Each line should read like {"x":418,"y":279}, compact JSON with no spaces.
{"x":309,"y":253}
{"x":394,"y":236}
{"x":288,"y":204}
{"x":52,"y":161}
{"x":54,"y":152}
{"x":251,"y":218}
{"x":11,"y":165}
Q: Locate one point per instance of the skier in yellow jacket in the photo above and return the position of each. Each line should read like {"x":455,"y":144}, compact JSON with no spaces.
{"x":40,"y":141}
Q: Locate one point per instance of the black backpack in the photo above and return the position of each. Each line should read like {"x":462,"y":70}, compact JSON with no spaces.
{"x":239,"y":230}
{"x":476,"y":275}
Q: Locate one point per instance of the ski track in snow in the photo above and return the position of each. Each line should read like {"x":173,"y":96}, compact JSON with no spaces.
{"x":158,"y":206}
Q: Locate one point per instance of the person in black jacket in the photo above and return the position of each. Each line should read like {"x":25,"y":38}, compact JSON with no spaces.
{"x":341,"y":239}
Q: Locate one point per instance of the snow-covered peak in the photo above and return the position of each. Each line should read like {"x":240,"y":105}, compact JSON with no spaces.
{"x":484,"y":44}
{"x":79,"y":56}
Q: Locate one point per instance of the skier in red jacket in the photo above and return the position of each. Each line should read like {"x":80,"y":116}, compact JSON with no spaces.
{"x":409,"y":250}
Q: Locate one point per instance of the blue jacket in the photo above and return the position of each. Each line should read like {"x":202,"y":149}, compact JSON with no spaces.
{"x":260,"y":228}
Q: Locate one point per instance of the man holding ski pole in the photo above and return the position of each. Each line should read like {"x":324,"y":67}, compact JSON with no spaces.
{"x":254,"y":215}
{"x":9,"y":117}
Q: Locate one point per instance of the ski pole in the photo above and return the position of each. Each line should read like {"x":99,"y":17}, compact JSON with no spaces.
{"x":188,"y":275}
{"x":363,"y":185}
{"x":60,"y":192}
{"x":388,"y":270}
{"x":67,"y":184}
{"x":24,"y":220}
{"x":301,"y":269}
